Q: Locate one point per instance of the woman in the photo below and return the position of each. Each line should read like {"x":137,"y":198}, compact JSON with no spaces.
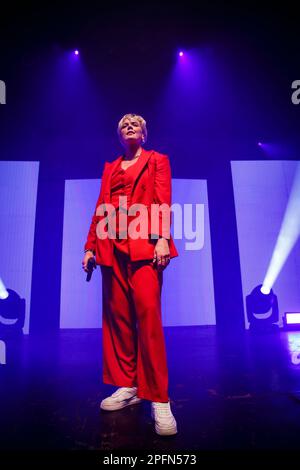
{"x":134,"y":356}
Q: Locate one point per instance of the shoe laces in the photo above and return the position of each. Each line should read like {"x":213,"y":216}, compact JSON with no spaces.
{"x":163,"y":409}
{"x":121,"y":390}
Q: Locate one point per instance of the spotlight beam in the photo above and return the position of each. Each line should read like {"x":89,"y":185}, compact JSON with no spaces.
{"x":288,"y":235}
{"x":3,"y":291}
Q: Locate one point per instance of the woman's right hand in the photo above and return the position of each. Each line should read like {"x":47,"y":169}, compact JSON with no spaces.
{"x":87,"y":256}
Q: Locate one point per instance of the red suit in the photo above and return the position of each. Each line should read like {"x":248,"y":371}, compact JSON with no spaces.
{"x":133,"y":341}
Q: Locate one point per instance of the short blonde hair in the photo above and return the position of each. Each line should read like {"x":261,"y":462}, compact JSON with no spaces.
{"x":141,"y":121}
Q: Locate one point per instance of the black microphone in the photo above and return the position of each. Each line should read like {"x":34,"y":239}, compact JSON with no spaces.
{"x":91,"y":265}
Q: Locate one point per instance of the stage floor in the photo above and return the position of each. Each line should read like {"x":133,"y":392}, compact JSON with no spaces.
{"x":227,"y":392}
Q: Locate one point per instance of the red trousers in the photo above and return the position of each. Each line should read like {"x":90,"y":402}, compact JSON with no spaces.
{"x":134,"y":352}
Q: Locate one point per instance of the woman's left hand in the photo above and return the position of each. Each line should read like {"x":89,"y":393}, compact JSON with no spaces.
{"x":161,"y":253}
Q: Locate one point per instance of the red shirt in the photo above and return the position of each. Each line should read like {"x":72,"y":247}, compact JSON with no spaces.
{"x":121,"y":185}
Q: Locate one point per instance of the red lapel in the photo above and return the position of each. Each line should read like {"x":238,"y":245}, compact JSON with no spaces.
{"x":139,"y":165}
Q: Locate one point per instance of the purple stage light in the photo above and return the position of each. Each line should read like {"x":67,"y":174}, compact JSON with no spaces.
{"x":292,"y":318}
{"x":259,"y":144}
{"x":76,"y":52}
{"x":180,"y":54}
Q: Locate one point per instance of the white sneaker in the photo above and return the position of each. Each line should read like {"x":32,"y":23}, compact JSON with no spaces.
{"x":165,"y":423}
{"x":122,"y":397}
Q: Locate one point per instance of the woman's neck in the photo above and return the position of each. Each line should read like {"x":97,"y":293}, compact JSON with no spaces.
{"x":132,"y":152}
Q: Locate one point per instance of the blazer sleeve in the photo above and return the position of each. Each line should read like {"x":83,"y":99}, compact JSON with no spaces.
{"x":91,"y":239}
{"x":162,"y":195}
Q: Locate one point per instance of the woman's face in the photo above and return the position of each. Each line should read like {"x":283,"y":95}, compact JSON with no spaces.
{"x":131,"y":132}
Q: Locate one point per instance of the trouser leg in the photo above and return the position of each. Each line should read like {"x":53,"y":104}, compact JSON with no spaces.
{"x":119,"y":336}
{"x":152,"y":372}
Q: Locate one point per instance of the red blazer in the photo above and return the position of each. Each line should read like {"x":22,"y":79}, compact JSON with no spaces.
{"x":152,"y":184}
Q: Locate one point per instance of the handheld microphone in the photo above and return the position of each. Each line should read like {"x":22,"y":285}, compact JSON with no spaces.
{"x":91,"y":265}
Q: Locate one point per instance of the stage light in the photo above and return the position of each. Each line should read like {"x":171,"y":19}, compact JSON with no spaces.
{"x":76,"y":52}
{"x":291,"y":320}
{"x":264,"y":290}
{"x":262,"y":309}
{"x":181,"y":54}
{"x":288,"y":235}
{"x":12,"y":314}
{"x":276,"y":150}
{"x":3,"y":291}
